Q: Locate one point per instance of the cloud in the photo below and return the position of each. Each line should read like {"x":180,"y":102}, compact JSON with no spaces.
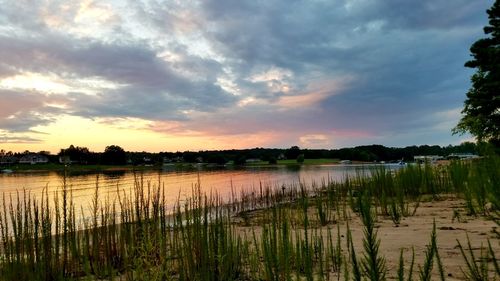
{"x":426,"y":14}
{"x":314,"y":94}
{"x":25,"y":122}
{"x":143,"y":83}
{"x":318,"y":140}
{"x":22,"y":111}
{"x":9,"y":138}
{"x":288,"y":70}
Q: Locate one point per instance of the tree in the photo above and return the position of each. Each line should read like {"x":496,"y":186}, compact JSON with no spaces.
{"x":300,"y":158}
{"x":114,"y":155}
{"x":292,"y":153}
{"x":240,"y":160}
{"x":189,"y":156}
{"x":481,"y":113}
{"x":273,"y":160}
{"x":76,"y":154}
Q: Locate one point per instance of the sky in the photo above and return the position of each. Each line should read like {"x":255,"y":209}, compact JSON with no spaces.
{"x":221,"y":74}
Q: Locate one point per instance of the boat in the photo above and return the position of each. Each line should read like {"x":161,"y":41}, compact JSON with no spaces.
{"x":7,"y":171}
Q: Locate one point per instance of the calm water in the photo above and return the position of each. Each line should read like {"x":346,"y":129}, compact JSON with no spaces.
{"x":177,"y":184}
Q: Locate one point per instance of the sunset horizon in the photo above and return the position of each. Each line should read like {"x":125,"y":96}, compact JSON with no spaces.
{"x":226,"y":140}
{"x":213,"y":75}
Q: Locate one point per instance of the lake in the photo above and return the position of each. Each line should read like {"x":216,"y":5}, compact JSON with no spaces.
{"x":177,"y":184}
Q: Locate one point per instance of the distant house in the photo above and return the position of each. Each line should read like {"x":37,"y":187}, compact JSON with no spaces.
{"x":33,"y":158}
{"x":427,"y":158}
{"x":174,"y":159}
{"x":7,"y":160}
{"x":64,"y":159}
{"x":462,"y":156}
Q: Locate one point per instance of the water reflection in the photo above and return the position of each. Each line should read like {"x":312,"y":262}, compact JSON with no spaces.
{"x":114,"y":174}
{"x":175,"y":183}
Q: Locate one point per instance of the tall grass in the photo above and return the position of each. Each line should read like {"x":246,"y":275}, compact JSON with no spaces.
{"x":288,"y":233}
{"x":372,"y":262}
{"x":478,"y":268}
{"x":478,"y":184}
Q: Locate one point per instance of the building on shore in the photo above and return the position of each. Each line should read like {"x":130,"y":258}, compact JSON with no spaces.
{"x":33,"y":158}
{"x":8,"y":160}
{"x":462,"y":156}
{"x":427,"y":158}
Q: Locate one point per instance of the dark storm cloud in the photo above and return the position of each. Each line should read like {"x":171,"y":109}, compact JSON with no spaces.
{"x":402,"y":62}
{"x":147,"y":86}
{"x":150,"y":103}
{"x":298,"y":33}
{"x":331,"y":37}
{"x":407,"y":57}
{"x":425,"y":14}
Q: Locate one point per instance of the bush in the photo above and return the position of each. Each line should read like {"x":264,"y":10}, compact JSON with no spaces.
{"x":300,"y":158}
{"x":273,"y":161}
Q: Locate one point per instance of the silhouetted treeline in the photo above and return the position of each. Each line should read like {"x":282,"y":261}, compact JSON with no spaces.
{"x":241,"y":156}
{"x":115,"y":155}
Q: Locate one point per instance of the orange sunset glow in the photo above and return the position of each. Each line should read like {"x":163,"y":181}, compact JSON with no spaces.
{"x":171,"y":76}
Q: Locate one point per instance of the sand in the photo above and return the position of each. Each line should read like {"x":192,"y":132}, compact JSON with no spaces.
{"x":414,"y":232}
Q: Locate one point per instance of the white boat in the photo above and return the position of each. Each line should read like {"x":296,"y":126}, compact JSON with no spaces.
{"x":7,"y":171}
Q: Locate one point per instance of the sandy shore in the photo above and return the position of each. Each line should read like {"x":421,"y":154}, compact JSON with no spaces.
{"x":414,"y":232}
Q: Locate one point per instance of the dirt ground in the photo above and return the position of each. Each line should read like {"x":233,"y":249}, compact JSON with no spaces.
{"x":415,"y":231}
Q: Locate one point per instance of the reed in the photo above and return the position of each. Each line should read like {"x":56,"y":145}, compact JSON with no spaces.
{"x":138,"y":236}
{"x":373,"y":264}
{"x":431,"y":253}
{"x":478,"y":268}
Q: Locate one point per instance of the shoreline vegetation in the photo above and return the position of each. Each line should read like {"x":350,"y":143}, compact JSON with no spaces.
{"x":90,"y":168}
{"x":47,"y":167}
{"x":114,"y":157}
{"x":422,"y":222}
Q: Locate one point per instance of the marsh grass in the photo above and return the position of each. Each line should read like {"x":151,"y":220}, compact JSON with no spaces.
{"x":373,"y":263}
{"x":291,"y":229}
{"x":477,"y":268}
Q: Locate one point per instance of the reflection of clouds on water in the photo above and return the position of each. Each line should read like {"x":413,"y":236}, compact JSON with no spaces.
{"x":178,"y":184}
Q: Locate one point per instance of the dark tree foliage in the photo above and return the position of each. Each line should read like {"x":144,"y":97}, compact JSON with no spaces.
{"x":300,"y":158}
{"x":273,"y":161}
{"x":114,"y":155}
{"x":217,"y":158}
{"x":77,"y":154}
{"x":190,"y":157}
{"x":292,"y":153}
{"x":240,"y":160}
{"x":145,"y":158}
{"x":481,"y":113}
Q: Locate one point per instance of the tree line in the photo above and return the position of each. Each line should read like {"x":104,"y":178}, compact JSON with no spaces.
{"x":116,"y":155}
